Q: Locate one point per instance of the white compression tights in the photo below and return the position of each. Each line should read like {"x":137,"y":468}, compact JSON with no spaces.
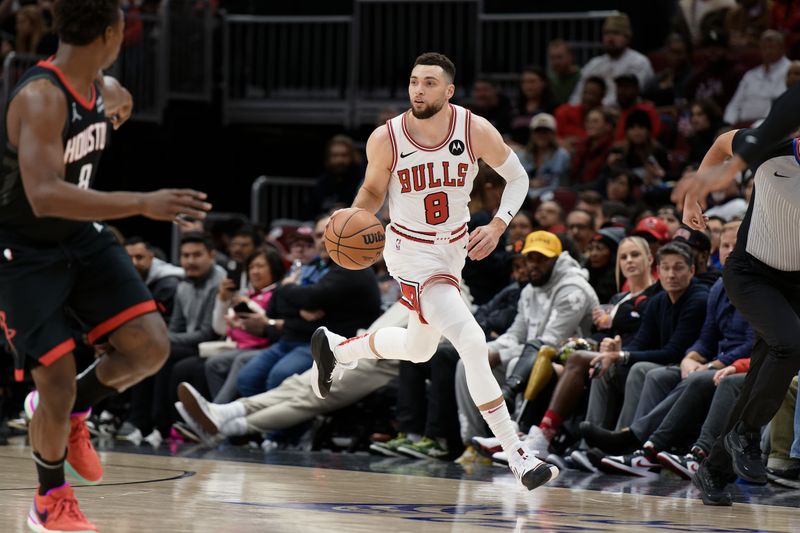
{"x":446,"y":314}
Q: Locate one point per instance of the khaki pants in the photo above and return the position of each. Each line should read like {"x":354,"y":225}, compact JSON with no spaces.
{"x":781,"y":432}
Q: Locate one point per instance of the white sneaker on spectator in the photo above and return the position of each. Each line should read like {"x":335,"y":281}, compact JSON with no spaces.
{"x":205,"y":438}
{"x":537,"y":442}
{"x":199,"y":410}
{"x":529,"y":470}
{"x":487,"y":446}
{"x":154,"y":439}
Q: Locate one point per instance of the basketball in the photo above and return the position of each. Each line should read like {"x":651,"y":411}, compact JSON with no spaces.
{"x":354,"y":238}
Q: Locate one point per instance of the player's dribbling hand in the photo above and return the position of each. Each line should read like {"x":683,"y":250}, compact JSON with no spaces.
{"x":174,"y":204}
{"x":483,"y":240}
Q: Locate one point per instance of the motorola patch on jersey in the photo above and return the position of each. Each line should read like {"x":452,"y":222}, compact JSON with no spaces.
{"x":456,"y":147}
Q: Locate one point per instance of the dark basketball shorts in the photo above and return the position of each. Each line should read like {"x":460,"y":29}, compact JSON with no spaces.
{"x":52,"y":295}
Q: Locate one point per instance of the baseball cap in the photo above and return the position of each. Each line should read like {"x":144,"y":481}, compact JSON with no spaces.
{"x":610,"y":237}
{"x":695,"y":239}
{"x":303,"y":233}
{"x":619,"y":23}
{"x":543,"y":120}
{"x":652,"y":227}
{"x":543,"y":242}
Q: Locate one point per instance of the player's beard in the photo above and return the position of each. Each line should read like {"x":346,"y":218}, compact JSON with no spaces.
{"x":428,"y":111}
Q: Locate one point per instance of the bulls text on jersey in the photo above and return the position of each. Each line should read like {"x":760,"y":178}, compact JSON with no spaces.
{"x":431,"y":175}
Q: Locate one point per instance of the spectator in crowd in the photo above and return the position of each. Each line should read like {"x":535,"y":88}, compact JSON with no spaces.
{"x":264,"y":270}
{"x":592,"y":201}
{"x":557,"y":304}
{"x":655,"y":231}
{"x":292,"y":402}
{"x":571,"y":118}
{"x":549,"y":216}
{"x":746,"y":22}
{"x":696,"y":16}
{"x":618,"y":59}
{"x":489,"y":102}
{"x":337,"y":186}
{"x":785,"y":18}
{"x":715,"y":225}
{"x":561,"y":71}
{"x":760,"y":85}
{"x":161,"y":278}
{"x":324,"y":294}
{"x":671,"y":217}
{"x":486,"y":277}
{"x":520,"y":226}
{"x":700,"y":243}
{"x":591,"y":153}
{"x":580,"y":228}
{"x":783,"y":465}
{"x":675,"y":400}
{"x":620,"y":185}
{"x":601,"y":263}
{"x":30,"y":28}
{"x":241,"y":246}
{"x":535,"y":96}
{"x":641,"y":152}
{"x":669,"y":86}
{"x":793,"y":74}
{"x":544,"y":160}
{"x":629,"y":102}
{"x":670,"y":325}
{"x":189,"y":325}
{"x":718,"y":78}
{"x":633,"y":262}
{"x":704,"y":124}
{"x":300,"y":245}
{"x":728,"y":382}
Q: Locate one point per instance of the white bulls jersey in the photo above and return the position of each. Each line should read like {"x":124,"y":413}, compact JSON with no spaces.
{"x":430,"y":185}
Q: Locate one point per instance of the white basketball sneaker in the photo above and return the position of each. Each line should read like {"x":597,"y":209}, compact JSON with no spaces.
{"x":325,"y":363}
{"x":529,"y":470}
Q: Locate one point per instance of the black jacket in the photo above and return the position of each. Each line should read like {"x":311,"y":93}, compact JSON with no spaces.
{"x":668,"y":329}
{"x":350,"y":299}
{"x":497,"y":315}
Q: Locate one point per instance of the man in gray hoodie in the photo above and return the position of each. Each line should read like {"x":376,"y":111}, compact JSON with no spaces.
{"x":161,"y":278}
{"x":556,"y":305}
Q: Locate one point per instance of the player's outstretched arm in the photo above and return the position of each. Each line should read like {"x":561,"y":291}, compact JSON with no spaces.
{"x":117,"y":99}
{"x":372,"y":193}
{"x":35,"y":120}
{"x":489,"y":146}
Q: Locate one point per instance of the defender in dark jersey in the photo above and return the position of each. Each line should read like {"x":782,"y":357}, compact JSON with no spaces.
{"x":762,"y":280}
{"x":58,"y":260}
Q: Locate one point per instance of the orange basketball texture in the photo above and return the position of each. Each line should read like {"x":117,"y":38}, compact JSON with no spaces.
{"x":354,"y":238}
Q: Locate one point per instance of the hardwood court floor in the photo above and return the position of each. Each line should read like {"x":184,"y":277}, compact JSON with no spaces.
{"x":176,"y":494}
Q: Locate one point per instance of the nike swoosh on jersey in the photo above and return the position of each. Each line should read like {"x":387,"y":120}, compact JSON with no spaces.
{"x":781,"y":175}
{"x":402,"y":155}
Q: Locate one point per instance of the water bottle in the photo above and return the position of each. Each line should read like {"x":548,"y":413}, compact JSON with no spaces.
{"x":294,"y":271}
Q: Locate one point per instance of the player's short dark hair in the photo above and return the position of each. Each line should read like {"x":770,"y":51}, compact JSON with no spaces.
{"x":676,"y":248}
{"x":198,"y":237}
{"x":439,"y":60}
{"x":133,"y":241}
{"x":79,"y":22}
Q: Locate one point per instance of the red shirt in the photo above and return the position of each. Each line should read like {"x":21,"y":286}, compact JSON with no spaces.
{"x":589,"y":159}
{"x":655,"y":120}
{"x":569,"y":121}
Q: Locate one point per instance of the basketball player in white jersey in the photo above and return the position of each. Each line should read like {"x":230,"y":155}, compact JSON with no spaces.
{"x":426,"y":160}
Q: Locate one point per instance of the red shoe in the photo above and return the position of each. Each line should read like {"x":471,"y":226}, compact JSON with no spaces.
{"x":82,"y":460}
{"x":58,"y":511}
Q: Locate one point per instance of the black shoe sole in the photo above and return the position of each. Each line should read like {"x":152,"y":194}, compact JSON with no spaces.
{"x":539,"y":476}
{"x":320,"y":383}
{"x":725,"y":501}
{"x":761,"y":480}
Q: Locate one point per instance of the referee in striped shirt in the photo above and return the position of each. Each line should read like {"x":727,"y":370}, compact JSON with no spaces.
{"x":762,"y":280}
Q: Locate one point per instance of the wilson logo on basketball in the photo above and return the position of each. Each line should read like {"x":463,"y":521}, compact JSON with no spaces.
{"x":372,"y":238}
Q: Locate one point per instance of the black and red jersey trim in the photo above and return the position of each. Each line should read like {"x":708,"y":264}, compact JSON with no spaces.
{"x":393,"y":143}
{"x":88,"y":104}
{"x":430,"y":148}
{"x":468,"y":133}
